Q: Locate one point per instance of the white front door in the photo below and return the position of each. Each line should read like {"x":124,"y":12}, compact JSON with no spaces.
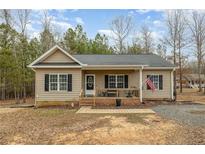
{"x":89,"y":84}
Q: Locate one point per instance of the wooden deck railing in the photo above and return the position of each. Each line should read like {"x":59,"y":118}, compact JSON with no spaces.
{"x":107,"y":93}
{"x":113,"y":92}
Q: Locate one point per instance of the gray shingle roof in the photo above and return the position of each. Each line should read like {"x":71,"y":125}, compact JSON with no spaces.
{"x":151,"y":60}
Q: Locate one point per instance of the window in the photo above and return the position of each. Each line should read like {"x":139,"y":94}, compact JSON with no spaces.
{"x":116,"y":81}
{"x":157,"y":81}
{"x":63,"y":80}
{"x":112,"y":81}
{"x":54,"y":82}
{"x":58,"y":82}
{"x":120,"y":81}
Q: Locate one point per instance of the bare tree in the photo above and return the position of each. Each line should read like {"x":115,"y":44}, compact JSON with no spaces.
{"x":121,"y":27}
{"x":5,"y":14}
{"x":46,"y":36}
{"x":46,"y":20}
{"x":172,"y":39}
{"x":161,"y":50}
{"x":197,"y":27}
{"x":23,"y":20}
{"x":181,"y":41}
{"x":203,"y":70}
{"x":147,"y":39}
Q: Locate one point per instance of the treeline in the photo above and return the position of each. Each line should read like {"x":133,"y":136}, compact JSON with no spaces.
{"x":17,"y":51}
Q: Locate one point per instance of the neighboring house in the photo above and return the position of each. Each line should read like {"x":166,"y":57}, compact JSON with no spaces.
{"x":192,"y":80}
{"x":62,"y":78}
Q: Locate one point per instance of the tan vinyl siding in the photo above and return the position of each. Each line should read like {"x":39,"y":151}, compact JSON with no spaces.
{"x":133,"y":77}
{"x":165,"y":93}
{"x":79,"y":81}
{"x":58,"y":56}
{"x":73,"y":95}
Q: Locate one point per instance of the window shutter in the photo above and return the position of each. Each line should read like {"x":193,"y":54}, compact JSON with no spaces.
{"x":160,"y":82}
{"x":126,"y":81}
{"x":69,"y":82}
{"x":46,"y":82}
{"x":106,"y":81}
{"x":148,"y":87}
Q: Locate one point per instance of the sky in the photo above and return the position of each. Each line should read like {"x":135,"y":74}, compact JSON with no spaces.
{"x":97,"y":21}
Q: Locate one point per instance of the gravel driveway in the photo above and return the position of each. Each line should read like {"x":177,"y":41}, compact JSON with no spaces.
{"x":193,"y":115}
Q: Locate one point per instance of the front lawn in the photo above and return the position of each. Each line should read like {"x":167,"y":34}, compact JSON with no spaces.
{"x":63,"y":126}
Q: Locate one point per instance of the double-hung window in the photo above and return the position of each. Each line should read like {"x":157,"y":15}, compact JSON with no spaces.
{"x":53,"y":82}
{"x":120,"y":81}
{"x":157,"y":81}
{"x":112,"y":81}
{"x":58,"y":82}
{"x":63,"y":80}
{"x":116,"y":81}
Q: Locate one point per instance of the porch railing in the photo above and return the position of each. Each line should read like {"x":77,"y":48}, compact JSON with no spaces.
{"x":109,"y":92}
{"x":113,"y":92}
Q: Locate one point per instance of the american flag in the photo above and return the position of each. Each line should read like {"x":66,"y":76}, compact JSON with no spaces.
{"x":150,"y":84}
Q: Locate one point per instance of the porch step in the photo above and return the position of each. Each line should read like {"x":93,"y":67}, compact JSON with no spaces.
{"x":86,"y":102}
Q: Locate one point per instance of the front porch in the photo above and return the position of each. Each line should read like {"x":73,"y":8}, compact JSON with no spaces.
{"x":110,"y":87}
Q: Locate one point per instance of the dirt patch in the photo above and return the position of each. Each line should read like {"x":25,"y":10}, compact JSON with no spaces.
{"x":197,"y":112}
{"x":191,"y":95}
{"x":9,"y":110}
{"x":63,"y":126}
{"x":13,"y":101}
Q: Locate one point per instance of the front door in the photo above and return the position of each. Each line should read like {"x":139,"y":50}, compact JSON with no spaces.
{"x":89,"y":84}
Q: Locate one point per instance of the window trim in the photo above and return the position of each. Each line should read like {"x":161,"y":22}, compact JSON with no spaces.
{"x":116,"y":82}
{"x":157,"y":88}
{"x":58,"y":82}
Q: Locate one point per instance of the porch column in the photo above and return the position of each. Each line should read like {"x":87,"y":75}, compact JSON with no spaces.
{"x":140,"y":83}
{"x":172,"y":85}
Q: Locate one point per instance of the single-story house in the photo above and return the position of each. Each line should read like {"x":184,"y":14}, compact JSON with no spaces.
{"x":62,"y":78}
{"x":192,"y":80}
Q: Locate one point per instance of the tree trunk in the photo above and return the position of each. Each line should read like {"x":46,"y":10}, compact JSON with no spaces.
{"x":18,"y":98}
{"x":175,"y":87}
{"x":3,"y":89}
{"x":24,"y":93}
{"x":15,"y":93}
{"x":180,"y":78}
{"x":199,"y":75}
{"x":180,"y":68}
